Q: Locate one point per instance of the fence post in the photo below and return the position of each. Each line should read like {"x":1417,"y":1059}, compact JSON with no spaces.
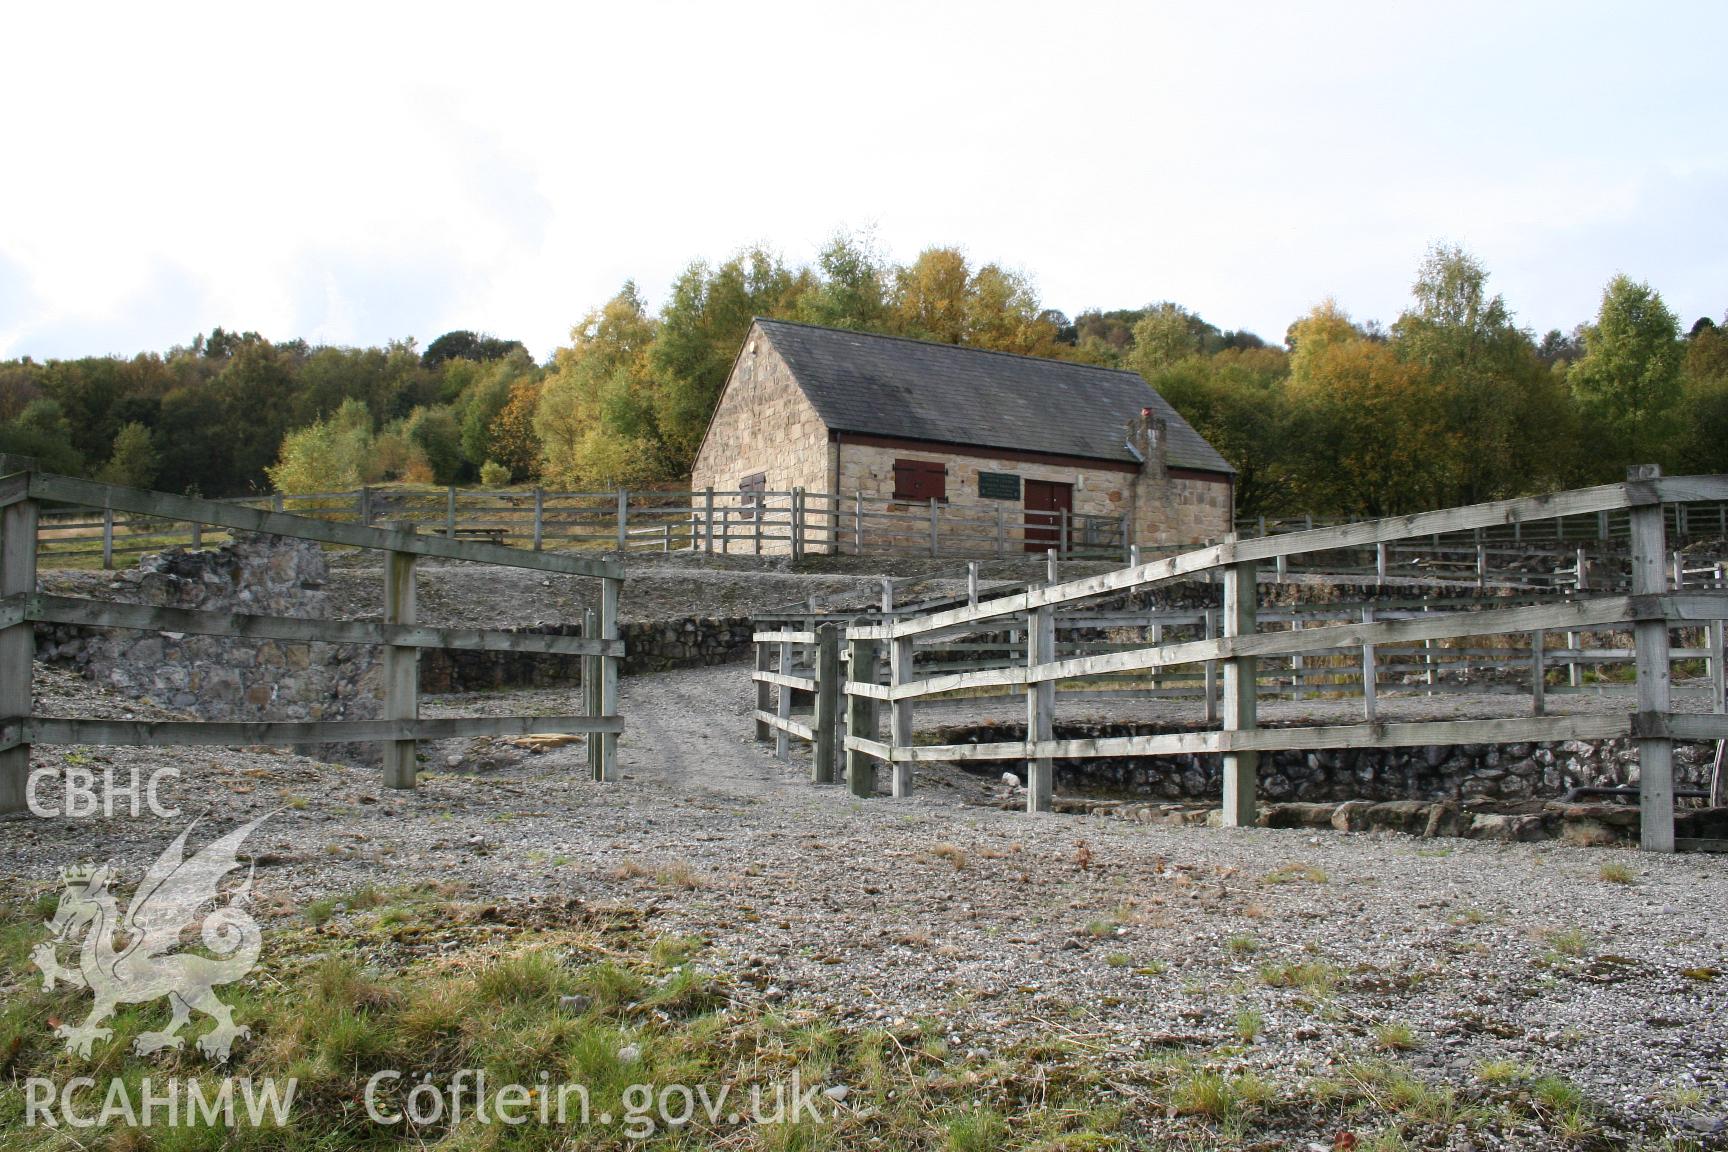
{"x":1127,"y":554}
{"x":1133,"y":555}
{"x":107,"y":539}
{"x":887,"y":596}
{"x":1380,"y":562}
{"x":1001,"y":532}
{"x":764,"y":690}
{"x":401,"y":664}
{"x":858,"y":523}
{"x":1538,"y":674}
{"x":1209,"y":688}
{"x":276,"y":502}
{"x":1575,"y":659}
{"x":17,"y":644}
{"x":1370,"y":671}
{"x":783,"y":702}
{"x":1297,"y":662}
{"x":797,"y":525}
{"x":972,"y":583}
{"x":1282,"y":567}
{"x":197,"y":535}
{"x":900,"y":715}
{"x":708,"y":520}
{"x":934,"y":547}
{"x":1050,"y":565}
{"x":363,"y":506}
{"x":1040,"y":709}
{"x":591,"y":689}
{"x":1655,"y":755}
{"x":1718,"y":673}
{"x":610,"y":589}
{"x":1241,"y":601}
{"x":1063,"y":544}
{"x":623,"y":520}
{"x":1583,"y":579}
{"x":760,"y":502}
{"x":539,"y":517}
{"x":450,"y":513}
{"x":860,"y":716}
{"x":1679,"y":572}
{"x":827,"y":703}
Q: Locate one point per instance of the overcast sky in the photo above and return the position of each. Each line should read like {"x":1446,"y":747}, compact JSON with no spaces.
{"x":354,"y":173}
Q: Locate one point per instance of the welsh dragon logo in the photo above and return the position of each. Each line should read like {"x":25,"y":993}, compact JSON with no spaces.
{"x":130,"y":959}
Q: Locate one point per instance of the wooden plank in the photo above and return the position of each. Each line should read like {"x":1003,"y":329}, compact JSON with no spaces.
{"x":827,"y":720}
{"x":866,"y":690}
{"x":1650,"y":638}
{"x":783,"y":637}
{"x":167,"y":506}
{"x":14,"y":488}
{"x":1241,"y":766}
{"x":174,"y":733}
{"x":18,"y":522}
{"x":1681,"y":726}
{"x":1381,"y":735}
{"x":877,"y":749}
{"x":148,"y":618}
{"x":401,"y":665}
{"x":785,"y":725}
{"x":13,"y":611}
{"x":1695,"y":844}
{"x":780,"y":680}
{"x":1040,"y":710}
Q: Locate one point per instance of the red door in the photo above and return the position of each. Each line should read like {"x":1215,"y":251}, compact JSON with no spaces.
{"x":1046,"y":500}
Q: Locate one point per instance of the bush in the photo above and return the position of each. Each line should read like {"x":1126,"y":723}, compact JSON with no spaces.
{"x":494,"y":475}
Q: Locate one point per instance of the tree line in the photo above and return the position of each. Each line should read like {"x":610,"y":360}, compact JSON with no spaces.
{"x":1451,"y":403}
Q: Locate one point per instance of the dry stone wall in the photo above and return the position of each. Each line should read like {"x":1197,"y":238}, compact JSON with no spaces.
{"x":217,"y":678}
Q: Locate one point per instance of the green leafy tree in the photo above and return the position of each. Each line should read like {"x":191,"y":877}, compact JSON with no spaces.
{"x":1628,"y":383}
{"x":1497,"y":398}
{"x":851,"y":289}
{"x":43,"y":433}
{"x":133,"y":463}
{"x":327,"y":455}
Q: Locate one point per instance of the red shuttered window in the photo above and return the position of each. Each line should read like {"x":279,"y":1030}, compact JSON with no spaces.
{"x":920,"y":480}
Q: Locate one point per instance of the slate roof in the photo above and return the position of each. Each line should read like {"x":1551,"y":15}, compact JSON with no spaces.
{"x":921,"y":390}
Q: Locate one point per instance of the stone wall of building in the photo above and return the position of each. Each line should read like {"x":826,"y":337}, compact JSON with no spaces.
{"x":1181,"y":508}
{"x":765,"y":424}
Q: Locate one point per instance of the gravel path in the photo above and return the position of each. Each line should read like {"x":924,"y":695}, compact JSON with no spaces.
{"x":1126,"y":939}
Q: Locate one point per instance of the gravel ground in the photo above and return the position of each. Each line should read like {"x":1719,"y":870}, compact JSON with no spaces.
{"x":1128,"y":940}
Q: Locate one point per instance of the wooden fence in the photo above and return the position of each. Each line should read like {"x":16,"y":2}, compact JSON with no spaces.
{"x":793,"y":523}
{"x":24,"y":490}
{"x":1224,"y":660}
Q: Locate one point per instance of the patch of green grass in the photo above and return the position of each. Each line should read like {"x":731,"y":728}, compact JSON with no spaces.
{"x":1500,"y":1071}
{"x":1315,"y":977}
{"x":1290,"y":873}
{"x":1218,"y":1096}
{"x":1118,"y":959}
{"x":982,"y":1130}
{"x":1394,"y":1036}
{"x":1242,"y":945}
{"x":1614,"y":872}
{"x":1249,"y":1024}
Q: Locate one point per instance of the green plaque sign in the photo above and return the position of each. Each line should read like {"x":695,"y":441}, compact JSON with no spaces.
{"x":998,"y":486}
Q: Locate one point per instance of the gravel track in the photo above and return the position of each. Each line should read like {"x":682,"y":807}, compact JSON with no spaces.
{"x":1126,"y":939}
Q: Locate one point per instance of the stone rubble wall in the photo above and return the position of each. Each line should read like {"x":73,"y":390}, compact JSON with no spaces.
{"x":1457,"y":773}
{"x":219,"y":678}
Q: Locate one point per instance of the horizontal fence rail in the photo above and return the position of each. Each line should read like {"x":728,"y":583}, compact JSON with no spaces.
{"x":25,"y":536}
{"x":1074,"y":639}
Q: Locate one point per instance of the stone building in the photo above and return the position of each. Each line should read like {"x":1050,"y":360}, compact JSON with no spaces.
{"x":904,"y":422}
